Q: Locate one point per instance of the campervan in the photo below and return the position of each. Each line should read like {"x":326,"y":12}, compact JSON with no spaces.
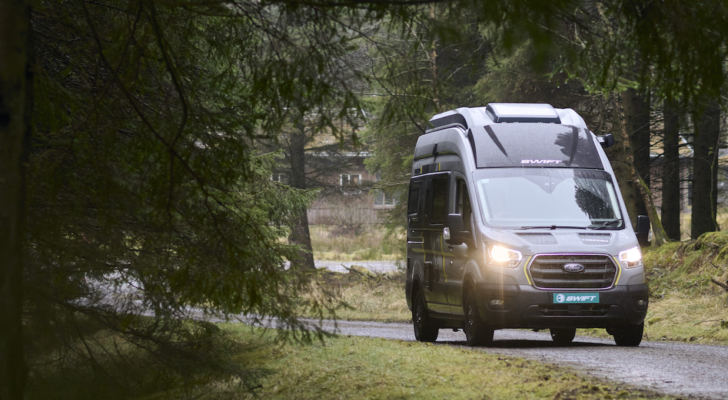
{"x":515,"y":220}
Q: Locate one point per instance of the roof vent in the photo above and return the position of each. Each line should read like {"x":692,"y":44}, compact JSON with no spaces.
{"x":522,"y":112}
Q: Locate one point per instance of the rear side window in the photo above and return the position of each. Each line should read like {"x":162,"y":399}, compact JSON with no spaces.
{"x":438,"y":202}
{"x":414,"y":200}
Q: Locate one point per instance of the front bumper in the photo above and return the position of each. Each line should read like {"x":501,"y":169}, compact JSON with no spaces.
{"x":526,"y":307}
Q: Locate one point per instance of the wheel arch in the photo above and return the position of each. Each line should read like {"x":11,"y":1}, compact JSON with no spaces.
{"x":416,"y":288}
{"x":468,"y":286}
{"x":470,"y":277}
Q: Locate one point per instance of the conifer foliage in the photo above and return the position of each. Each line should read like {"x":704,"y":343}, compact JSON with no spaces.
{"x":147,"y":206}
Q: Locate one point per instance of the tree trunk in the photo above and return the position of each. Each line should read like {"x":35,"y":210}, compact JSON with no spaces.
{"x":15,"y":110}
{"x":659,"y":237}
{"x":433,"y":65}
{"x":705,"y":169}
{"x":300,"y":234}
{"x":631,"y":104}
{"x":671,"y":172}
{"x":636,"y":108}
{"x":621,"y":157}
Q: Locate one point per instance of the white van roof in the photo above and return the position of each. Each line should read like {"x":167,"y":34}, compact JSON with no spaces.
{"x":498,"y":113}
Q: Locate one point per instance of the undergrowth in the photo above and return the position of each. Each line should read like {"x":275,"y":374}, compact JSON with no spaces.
{"x":690,"y":267}
{"x":376,"y":243}
{"x":105,"y":365}
{"x":688,"y":300}
{"x":361,"y":295}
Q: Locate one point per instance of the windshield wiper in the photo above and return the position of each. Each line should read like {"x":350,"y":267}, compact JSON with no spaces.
{"x":604,"y":224}
{"x":552,"y":227}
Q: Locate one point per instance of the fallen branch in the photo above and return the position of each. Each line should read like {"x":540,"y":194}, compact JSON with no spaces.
{"x":723,"y":285}
{"x":707,"y":320}
{"x":368,"y":276}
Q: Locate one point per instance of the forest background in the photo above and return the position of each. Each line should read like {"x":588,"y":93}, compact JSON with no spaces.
{"x":130,"y":135}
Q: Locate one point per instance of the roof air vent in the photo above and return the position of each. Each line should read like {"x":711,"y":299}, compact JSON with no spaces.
{"x":522,"y":112}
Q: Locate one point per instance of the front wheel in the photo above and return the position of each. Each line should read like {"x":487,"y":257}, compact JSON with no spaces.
{"x":563,"y":336}
{"x":631,"y":336}
{"x":425,"y":328}
{"x":477,"y":333}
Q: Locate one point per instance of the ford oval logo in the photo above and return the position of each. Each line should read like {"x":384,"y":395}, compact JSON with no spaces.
{"x":573,"y":267}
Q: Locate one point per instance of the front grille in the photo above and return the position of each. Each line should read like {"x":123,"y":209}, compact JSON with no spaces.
{"x":574,"y":310}
{"x":547,"y":271}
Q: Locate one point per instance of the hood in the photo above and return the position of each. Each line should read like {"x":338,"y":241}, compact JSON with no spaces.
{"x":563,"y":240}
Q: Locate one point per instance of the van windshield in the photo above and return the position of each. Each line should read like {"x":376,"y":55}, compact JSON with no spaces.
{"x":530,"y":198}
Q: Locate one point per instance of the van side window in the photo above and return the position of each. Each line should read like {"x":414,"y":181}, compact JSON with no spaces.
{"x":438,"y":204}
{"x":463,"y":203}
{"x":414,"y":200}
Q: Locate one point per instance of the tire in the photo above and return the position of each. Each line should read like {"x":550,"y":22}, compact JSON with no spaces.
{"x":426,"y":329}
{"x":477,"y":333}
{"x":631,"y":336}
{"x":563,"y":336}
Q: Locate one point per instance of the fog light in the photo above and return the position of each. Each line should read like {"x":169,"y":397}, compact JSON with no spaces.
{"x":497,"y":302}
{"x":641,"y":302}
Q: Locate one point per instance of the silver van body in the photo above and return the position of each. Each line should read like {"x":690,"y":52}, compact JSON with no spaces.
{"x":515,"y":220}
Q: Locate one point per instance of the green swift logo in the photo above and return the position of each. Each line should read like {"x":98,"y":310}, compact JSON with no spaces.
{"x":576,"y":298}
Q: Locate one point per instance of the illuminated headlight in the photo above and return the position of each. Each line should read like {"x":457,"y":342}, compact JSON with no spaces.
{"x":631,"y":258}
{"x":507,"y":257}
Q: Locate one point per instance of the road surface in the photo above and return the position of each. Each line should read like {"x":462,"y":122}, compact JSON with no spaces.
{"x":374,"y":266}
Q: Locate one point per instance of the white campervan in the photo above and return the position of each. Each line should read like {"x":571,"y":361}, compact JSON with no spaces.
{"x":515,"y":220}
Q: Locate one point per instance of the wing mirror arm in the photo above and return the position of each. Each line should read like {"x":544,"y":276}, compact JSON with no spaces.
{"x":606,"y":141}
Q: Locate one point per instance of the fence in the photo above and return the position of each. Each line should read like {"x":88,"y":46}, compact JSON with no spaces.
{"x":338,"y":215}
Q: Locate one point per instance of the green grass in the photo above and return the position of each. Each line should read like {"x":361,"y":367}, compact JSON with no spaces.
{"x":685,"y":304}
{"x":107,"y":365}
{"x":374,"y":244}
{"x":680,"y":318}
{"x":363,"y":295}
{"x":357,"y":367}
{"x":333,"y":368}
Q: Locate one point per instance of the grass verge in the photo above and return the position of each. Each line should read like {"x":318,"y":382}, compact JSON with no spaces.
{"x":333,"y":368}
{"x":363,"y":295}
{"x":374,"y":244}
{"x":357,"y":367}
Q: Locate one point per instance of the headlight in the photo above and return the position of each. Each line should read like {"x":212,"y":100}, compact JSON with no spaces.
{"x":501,"y":255}
{"x":631,"y":258}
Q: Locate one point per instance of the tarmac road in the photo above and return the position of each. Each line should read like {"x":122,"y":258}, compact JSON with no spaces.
{"x":374,"y":266}
{"x":698,"y":371}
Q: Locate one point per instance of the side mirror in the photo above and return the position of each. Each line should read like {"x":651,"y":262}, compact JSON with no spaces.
{"x":454,"y":232}
{"x":643,"y":230}
{"x":606,"y":140}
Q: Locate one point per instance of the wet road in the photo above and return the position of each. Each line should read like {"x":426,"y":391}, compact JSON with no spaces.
{"x":671,"y":368}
